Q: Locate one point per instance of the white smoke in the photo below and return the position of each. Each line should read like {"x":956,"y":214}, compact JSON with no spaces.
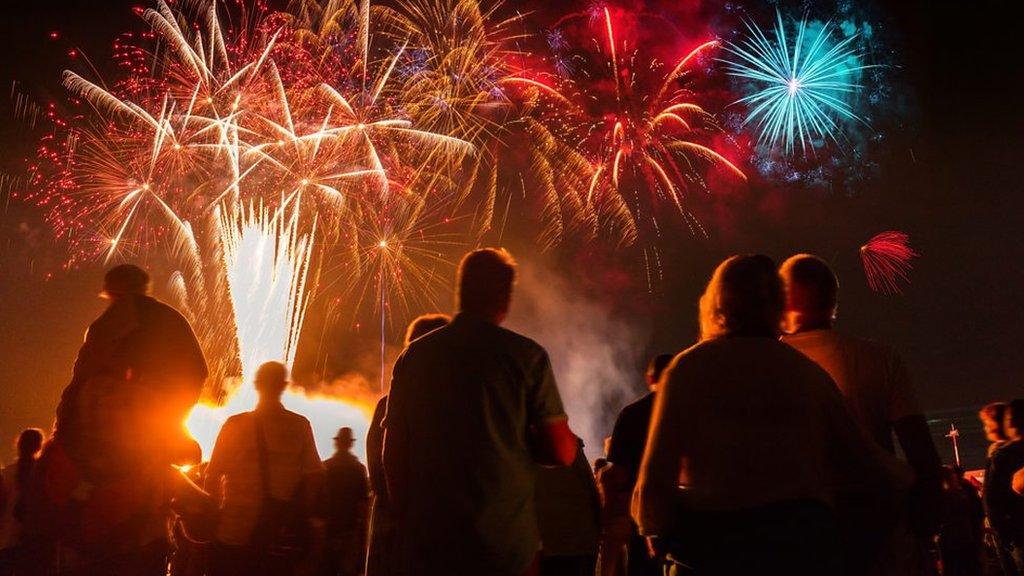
{"x":596,"y":355}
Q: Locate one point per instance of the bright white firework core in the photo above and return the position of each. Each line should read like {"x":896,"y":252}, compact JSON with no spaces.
{"x":794,"y":86}
{"x":267,"y":263}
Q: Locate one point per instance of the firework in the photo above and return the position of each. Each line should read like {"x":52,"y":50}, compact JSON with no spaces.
{"x":260,"y":158}
{"x":646,"y":142}
{"x":887,"y":261}
{"x":267,"y":263}
{"x":801,"y":85}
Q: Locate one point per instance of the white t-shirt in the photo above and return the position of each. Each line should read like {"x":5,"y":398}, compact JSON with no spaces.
{"x":291,"y":453}
{"x":870,"y":375}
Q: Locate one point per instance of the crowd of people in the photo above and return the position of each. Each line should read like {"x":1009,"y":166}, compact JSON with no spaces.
{"x":768,"y":447}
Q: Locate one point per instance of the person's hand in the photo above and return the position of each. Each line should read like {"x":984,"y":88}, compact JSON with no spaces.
{"x":656,"y":547}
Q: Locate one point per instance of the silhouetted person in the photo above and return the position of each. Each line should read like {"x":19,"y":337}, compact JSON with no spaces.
{"x":101,"y":491}
{"x":382,"y":550}
{"x":569,"y":517}
{"x":993,"y":418}
{"x":345,"y":508}
{"x":626,"y":449}
{"x":142,"y":358}
{"x":961,"y":531}
{"x":759,"y":438}
{"x":1005,"y":508}
{"x":879,"y":394}
{"x":265,"y":473}
{"x":472,"y":406}
{"x":17,"y":556}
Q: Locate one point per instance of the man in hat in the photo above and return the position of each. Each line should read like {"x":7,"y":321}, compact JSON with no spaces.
{"x":265,"y":474}
{"x":140,"y":355}
{"x":346,"y":497}
{"x":102,"y":483}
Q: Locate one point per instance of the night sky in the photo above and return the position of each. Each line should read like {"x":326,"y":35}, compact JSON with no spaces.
{"x":950,"y":177}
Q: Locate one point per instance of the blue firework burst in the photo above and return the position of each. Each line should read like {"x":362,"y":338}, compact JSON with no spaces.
{"x":802,"y":86}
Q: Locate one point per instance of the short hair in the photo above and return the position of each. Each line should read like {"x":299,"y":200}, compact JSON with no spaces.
{"x":1015,"y":411}
{"x":125,"y":279}
{"x":996,"y":412}
{"x":657,"y":365}
{"x":29,"y":442}
{"x":425,"y":324}
{"x":810,"y":283}
{"x":485,"y":281}
{"x":272,"y":377}
{"x":743,"y":298}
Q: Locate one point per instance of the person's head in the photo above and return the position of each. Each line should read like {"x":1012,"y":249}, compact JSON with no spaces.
{"x":743,"y":298}
{"x":344,"y":440}
{"x":30,"y":442}
{"x":485,"y":281}
{"x":655,"y":368}
{"x":425,"y":324}
{"x":271,"y":380}
{"x":812,"y":293}
{"x":992,"y":416}
{"x":1013,"y":420}
{"x":125,"y":280}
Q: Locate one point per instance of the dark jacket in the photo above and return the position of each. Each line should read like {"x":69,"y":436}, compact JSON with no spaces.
{"x":140,"y":363}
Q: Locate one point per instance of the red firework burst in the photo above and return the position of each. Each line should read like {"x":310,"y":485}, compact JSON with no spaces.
{"x":887,"y":261}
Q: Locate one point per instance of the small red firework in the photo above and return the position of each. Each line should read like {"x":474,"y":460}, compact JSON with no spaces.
{"x":887,"y":261}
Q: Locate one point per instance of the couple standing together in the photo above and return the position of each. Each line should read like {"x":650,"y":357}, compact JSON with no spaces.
{"x":754,"y":462}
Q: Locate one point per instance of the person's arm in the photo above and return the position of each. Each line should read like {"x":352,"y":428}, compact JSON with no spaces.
{"x":223,"y":449}
{"x":926,"y":494}
{"x":312,"y":487}
{"x":394,"y":456}
{"x":555,"y":442}
{"x":374,"y":447}
{"x":861,"y":465}
{"x":363,"y":516}
{"x":312,"y":470}
{"x":911,"y":429}
{"x":654,"y":497}
{"x":998,"y":492}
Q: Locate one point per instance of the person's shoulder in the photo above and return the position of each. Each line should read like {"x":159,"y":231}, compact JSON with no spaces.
{"x":240,"y":418}
{"x":518,"y":342}
{"x":639,"y":405}
{"x":707,"y":349}
{"x":864,"y":346}
{"x":235,"y":421}
{"x":1010,"y":452}
{"x":799,"y":363}
{"x":295,"y":418}
{"x":166,"y":309}
{"x":430,"y":339}
{"x":357,"y":465}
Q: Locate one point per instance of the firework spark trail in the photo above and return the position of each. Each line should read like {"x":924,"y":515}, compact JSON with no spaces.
{"x":802,"y":86}
{"x":649,"y":146}
{"x":887,"y":261}
{"x":267,"y":261}
{"x":364,"y":125}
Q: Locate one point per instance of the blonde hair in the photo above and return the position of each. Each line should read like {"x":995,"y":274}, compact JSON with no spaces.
{"x":425,"y":324}
{"x":744,"y":298}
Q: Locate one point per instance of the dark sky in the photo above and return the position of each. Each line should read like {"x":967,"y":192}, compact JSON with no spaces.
{"x":951,"y":180}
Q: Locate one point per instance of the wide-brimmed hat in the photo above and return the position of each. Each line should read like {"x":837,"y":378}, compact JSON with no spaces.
{"x":344,"y":435}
